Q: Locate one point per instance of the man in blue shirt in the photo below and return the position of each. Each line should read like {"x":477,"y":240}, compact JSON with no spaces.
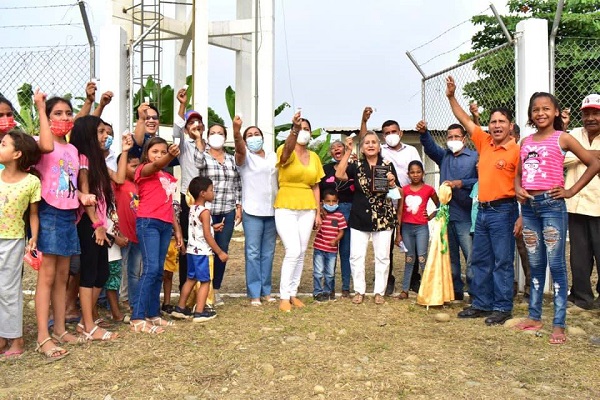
{"x":458,"y":168}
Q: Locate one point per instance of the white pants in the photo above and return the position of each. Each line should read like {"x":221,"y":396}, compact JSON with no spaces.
{"x":294,"y":228}
{"x":358,"y":250}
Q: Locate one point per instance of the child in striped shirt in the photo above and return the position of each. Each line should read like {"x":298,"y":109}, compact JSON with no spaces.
{"x":326,"y":247}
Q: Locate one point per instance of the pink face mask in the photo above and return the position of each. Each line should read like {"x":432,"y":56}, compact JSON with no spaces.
{"x":7,"y":123}
{"x":61,"y":128}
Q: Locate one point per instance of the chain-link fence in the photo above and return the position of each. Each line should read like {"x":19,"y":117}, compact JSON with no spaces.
{"x":487,"y":79}
{"x":577,"y":73}
{"x":58,"y":71}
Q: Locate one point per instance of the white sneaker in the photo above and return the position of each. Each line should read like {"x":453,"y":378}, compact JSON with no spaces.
{"x":218,"y":300}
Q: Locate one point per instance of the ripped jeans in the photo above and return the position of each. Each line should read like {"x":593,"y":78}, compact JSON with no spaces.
{"x":545,"y":233}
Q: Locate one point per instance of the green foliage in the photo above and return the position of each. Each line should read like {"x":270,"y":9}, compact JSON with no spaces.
{"x":152,"y":91}
{"x":214,"y":118}
{"x":577,"y":59}
{"x":230,"y":101}
{"x":27,"y":117}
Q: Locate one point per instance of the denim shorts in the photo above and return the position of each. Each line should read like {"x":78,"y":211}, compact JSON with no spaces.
{"x":58,"y":232}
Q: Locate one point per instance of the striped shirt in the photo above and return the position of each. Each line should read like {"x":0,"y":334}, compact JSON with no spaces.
{"x":226,"y":181}
{"x":331,"y":226}
{"x":542,"y":162}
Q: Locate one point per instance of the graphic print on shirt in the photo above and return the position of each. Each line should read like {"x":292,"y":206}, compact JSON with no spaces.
{"x":66,"y":176}
{"x":341,"y":185}
{"x":3,"y":202}
{"x":534,"y":162}
{"x":169,"y":187}
{"x":134,"y":202}
{"x":413,"y":203}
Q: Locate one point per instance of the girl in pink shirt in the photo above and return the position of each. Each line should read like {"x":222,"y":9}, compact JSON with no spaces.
{"x":58,"y":240}
{"x":539,"y":186}
{"x":154,"y":225}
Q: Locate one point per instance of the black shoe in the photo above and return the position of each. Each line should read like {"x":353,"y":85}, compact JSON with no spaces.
{"x":181,"y":313}
{"x":498,"y":318}
{"x":167,"y":309}
{"x":459,"y":296}
{"x":332,"y":296}
{"x":389,"y":289}
{"x":471,"y":312}
{"x":321,"y":297}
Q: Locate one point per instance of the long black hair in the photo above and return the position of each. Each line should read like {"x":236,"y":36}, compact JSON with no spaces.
{"x":84,"y":137}
{"x":558,"y":122}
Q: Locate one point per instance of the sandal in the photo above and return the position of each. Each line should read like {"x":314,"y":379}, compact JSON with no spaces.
{"x":379,"y":299}
{"x":60,"y":338}
{"x":358,"y":298}
{"x":105,"y":337}
{"x":158,"y":321}
{"x":557,"y":338}
{"x":142,"y":326}
{"x":403,"y":295}
{"x":54,"y":354}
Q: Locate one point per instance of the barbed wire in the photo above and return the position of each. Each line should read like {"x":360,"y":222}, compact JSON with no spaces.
{"x":49,"y":46}
{"x":449,"y":29}
{"x":446,"y":52}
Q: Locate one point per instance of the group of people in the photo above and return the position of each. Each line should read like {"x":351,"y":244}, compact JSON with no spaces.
{"x":97,"y":224}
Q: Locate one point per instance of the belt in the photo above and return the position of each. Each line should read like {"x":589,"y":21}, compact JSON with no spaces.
{"x":494,"y":203}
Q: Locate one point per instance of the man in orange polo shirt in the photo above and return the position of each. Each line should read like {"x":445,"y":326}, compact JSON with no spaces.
{"x":492,"y":259}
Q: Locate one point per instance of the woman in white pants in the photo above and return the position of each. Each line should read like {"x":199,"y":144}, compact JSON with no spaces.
{"x":300,"y":171}
{"x":372,"y":215}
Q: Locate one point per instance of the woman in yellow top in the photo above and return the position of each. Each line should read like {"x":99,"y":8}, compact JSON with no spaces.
{"x":300,"y":171}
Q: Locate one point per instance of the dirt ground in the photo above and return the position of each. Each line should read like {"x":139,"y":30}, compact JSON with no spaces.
{"x":324,"y":351}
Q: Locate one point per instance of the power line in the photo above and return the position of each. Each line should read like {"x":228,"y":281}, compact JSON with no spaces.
{"x":38,"y":26}
{"x":36,"y":7}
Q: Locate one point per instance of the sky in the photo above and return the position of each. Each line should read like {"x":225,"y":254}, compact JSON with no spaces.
{"x":332,"y":58}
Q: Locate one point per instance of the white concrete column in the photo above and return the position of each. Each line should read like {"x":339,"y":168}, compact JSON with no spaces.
{"x":111,"y":62}
{"x":266,"y":68}
{"x":244,"y":70}
{"x":180,"y":61}
{"x":532,"y":65}
{"x":200,"y":57}
{"x":532,"y":75}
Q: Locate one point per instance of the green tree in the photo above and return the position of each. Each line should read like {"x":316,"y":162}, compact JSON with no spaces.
{"x":577,"y":65}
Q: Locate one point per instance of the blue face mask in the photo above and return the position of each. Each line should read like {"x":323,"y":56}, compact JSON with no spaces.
{"x":330,"y":208}
{"x":254,"y":143}
{"x":108,"y":143}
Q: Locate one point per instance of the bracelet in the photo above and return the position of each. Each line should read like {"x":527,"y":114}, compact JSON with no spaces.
{"x":97,"y":224}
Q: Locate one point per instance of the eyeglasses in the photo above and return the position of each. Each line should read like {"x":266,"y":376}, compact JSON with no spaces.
{"x":152,"y":117}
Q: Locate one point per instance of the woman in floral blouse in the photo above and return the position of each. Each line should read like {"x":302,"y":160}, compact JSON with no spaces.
{"x":372,"y":216}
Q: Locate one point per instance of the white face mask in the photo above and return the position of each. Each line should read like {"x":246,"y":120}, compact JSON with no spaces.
{"x":392,"y":139}
{"x":303,"y":137}
{"x":455,"y":145}
{"x":216,"y":141}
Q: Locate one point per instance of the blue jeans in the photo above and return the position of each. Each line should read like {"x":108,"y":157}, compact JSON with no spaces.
{"x":323,"y":269}
{"x":492,"y":259}
{"x":459,"y":238}
{"x":131,"y":258}
{"x":416,"y":240}
{"x":545,"y":234}
{"x":344,"y":249}
{"x":222,"y":238}
{"x":260,"y":234}
{"x":154,"y":236}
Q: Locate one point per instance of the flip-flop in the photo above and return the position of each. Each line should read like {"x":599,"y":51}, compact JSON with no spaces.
{"x":522,"y":326}
{"x":557,"y":338}
{"x":12,"y":354}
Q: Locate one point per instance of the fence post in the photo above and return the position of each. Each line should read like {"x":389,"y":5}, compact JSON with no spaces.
{"x":113,"y":76}
{"x":533,"y":72}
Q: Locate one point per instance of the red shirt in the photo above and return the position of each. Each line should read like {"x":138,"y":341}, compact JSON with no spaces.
{"x":331,"y":226}
{"x":156,"y":195}
{"x":127,"y":202}
{"x":415,"y":204}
